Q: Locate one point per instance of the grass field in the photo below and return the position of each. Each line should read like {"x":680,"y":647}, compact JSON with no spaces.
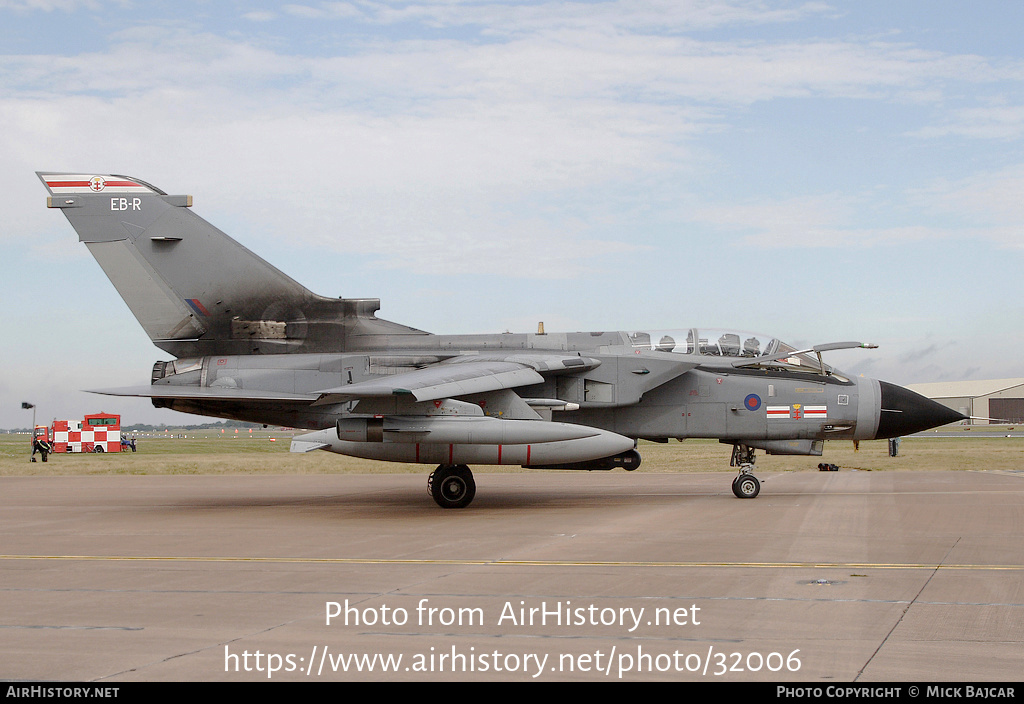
{"x":266,"y":452}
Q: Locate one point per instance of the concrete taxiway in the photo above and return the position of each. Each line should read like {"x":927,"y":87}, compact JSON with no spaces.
{"x":826,"y":577}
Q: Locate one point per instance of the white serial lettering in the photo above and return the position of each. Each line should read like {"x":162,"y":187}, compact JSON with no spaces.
{"x":125,"y":204}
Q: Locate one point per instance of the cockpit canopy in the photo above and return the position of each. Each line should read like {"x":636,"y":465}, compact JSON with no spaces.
{"x":714,"y":342}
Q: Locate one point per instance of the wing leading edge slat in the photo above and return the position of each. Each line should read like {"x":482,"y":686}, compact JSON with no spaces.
{"x":205,"y":393}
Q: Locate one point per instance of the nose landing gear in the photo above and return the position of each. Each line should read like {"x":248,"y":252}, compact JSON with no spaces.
{"x":745,"y":485}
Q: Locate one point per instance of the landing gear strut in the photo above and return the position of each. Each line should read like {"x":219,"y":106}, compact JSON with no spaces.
{"x":745,"y":485}
{"x":452,"y":485}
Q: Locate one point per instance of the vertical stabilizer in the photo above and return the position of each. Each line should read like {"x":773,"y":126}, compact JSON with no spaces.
{"x":192,"y":288}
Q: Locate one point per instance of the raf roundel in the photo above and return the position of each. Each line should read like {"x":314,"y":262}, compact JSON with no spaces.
{"x":752,"y":402}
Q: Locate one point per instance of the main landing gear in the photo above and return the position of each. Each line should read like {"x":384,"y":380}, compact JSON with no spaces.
{"x":452,"y":485}
{"x":745,"y":485}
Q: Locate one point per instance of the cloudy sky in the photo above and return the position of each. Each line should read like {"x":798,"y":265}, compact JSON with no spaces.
{"x":819,"y":171}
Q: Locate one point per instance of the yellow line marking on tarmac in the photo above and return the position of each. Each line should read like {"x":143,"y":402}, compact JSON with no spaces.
{"x":528,"y":563}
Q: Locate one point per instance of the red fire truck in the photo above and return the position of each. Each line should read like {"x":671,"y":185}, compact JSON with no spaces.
{"x":97,"y":432}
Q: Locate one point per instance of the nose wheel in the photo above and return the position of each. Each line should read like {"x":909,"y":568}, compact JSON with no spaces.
{"x":745,"y":485}
{"x":451,"y":486}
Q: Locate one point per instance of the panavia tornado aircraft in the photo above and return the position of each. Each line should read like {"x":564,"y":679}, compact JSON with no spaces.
{"x":252,"y":344}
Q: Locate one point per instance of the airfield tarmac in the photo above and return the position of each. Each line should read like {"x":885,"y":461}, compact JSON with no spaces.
{"x":826,"y":577}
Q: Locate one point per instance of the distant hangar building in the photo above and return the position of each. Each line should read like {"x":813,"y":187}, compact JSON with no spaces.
{"x":998,"y":399}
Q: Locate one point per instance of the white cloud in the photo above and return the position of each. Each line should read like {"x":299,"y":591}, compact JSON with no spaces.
{"x":987,"y":204}
{"x":51,"y":5}
{"x":323,"y":10}
{"x":806,"y":222}
{"x":259,"y":16}
{"x":1003,"y":122}
{"x":503,"y":17}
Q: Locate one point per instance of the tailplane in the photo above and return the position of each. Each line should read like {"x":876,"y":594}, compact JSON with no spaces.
{"x":193,"y":289}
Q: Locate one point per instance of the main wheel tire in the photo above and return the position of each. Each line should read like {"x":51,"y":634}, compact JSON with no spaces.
{"x":746,"y":486}
{"x":452,"y":486}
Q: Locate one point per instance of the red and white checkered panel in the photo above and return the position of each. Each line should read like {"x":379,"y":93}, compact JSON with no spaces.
{"x":68,"y":436}
{"x":60,"y":436}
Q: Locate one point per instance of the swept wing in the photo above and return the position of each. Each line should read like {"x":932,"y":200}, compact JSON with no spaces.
{"x":438,"y":381}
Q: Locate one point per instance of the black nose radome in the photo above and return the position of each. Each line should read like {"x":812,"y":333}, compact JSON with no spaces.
{"x":904,"y":412}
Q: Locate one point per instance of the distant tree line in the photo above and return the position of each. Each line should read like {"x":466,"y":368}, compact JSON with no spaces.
{"x":143,"y":427}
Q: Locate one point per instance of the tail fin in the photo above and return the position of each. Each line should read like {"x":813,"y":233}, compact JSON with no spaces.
{"x":193,"y":289}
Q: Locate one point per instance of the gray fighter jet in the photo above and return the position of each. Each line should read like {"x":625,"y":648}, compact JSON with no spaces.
{"x":252,"y":344}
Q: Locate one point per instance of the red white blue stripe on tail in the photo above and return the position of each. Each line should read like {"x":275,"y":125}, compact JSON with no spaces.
{"x":198,"y":307}
{"x":64,"y":184}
